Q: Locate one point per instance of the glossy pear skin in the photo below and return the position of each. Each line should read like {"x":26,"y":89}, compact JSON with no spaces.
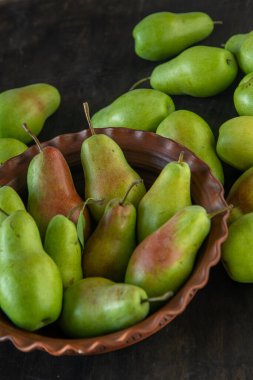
{"x":10,"y":148}
{"x":242,"y":46}
{"x":234,"y":144}
{"x":241,"y":195}
{"x":30,"y":282}
{"x":236,"y":251}
{"x":141,"y":109}
{"x":107,"y":173}
{"x":243,"y":96}
{"x":163,"y":261}
{"x":107,"y":251}
{"x":164,"y":34}
{"x":169,"y":193}
{"x":96,"y":306}
{"x":10,"y":201}
{"x":192,"y":131}
{"x":199,"y":71}
{"x":31,"y":104}
{"x":51,"y":189}
{"x":62,"y":245}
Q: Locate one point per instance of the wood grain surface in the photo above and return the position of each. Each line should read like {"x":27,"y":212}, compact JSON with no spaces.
{"x":85,"y":49}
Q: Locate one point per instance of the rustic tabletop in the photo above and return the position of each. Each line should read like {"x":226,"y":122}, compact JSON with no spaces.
{"x":85,"y":49}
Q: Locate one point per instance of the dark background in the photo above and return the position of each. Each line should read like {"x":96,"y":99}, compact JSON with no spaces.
{"x":85,"y":49}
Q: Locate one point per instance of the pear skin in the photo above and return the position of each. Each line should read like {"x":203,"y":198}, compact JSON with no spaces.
{"x":97,"y":306}
{"x":30,"y":282}
{"x":164,"y":260}
{"x":192,"y":131}
{"x":243,"y":96}
{"x":62,"y":245}
{"x":198,"y":71}
{"x":107,"y":173}
{"x":169,"y":193}
{"x":10,"y":201}
{"x":164,"y":34}
{"x":10,"y":148}
{"x":31,"y":104}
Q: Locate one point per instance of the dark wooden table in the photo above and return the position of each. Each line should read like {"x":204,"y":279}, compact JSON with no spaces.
{"x":85,"y":49}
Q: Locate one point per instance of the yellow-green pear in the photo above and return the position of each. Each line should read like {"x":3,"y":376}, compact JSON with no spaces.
{"x":10,"y":201}
{"x":10,"y":148}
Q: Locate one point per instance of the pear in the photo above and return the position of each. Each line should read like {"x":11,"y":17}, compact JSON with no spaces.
{"x":51,"y":190}
{"x":30,"y":282}
{"x":192,"y":131}
{"x":141,"y":109}
{"x":164,"y":260}
{"x":236,"y":251}
{"x":62,"y":245}
{"x":241,"y":195}
{"x":10,"y":148}
{"x":242,"y":46}
{"x":107,"y":251}
{"x":32,"y":104}
{"x":235,"y":140}
{"x":243,"y":96}
{"x":10,"y":201}
{"x":198,"y":71}
{"x":96,"y":306}
{"x":169,"y":193}
{"x":164,"y":34}
{"x":107,"y":172}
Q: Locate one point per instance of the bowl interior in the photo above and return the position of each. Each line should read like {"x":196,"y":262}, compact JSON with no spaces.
{"x":148,"y":153}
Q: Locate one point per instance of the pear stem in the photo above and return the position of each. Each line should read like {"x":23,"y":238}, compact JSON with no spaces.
{"x":136,"y":84}
{"x":163,"y":297}
{"x":136,"y":182}
{"x":82,"y":206}
{"x":36,"y":140}
{"x":181,"y":157}
{"x":220,"y":211}
{"x":219,"y":22}
{"x":87,"y":115}
{"x":4,"y":212}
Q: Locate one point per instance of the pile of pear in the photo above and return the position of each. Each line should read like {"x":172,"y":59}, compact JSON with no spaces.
{"x":102,"y":263}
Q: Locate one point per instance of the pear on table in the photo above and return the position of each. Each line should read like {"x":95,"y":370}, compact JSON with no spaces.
{"x":51,"y":190}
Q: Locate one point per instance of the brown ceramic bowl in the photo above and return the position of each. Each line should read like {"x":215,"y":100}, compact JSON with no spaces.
{"x":147,"y":153}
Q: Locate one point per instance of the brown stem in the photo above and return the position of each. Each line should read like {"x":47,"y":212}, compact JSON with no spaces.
{"x":36,"y":140}
{"x":163,"y":297}
{"x":220,"y":211}
{"x":219,"y":22}
{"x":82,"y":206}
{"x":4,"y":212}
{"x":87,"y":115}
{"x":136,"y":84}
{"x":181,"y":157}
{"x":136,"y":182}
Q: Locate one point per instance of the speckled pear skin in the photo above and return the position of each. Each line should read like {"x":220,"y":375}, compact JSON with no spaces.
{"x":164,"y":34}
{"x":51,"y":189}
{"x":164,"y":260}
{"x":97,"y":306}
{"x":31,"y":104}
{"x":107,"y":251}
{"x":141,"y":109}
{"x":30,"y":282}
{"x":198,"y":71}
{"x":107,"y":173}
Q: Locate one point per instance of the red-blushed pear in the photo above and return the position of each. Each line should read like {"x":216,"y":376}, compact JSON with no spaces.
{"x":51,"y":190}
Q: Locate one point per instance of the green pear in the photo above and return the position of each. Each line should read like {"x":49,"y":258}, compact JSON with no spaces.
{"x":242,"y":46}
{"x":169,"y":193}
{"x":30,"y":282}
{"x":107,"y":173}
{"x":241,"y":195}
{"x":190,"y":130}
{"x":198,"y":71}
{"x":235,"y":141}
{"x":164,"y":34}
{"x":164,"y":260}
{"x":62,"y":245}
{"x":107,"y":251}
{"x":97,"y":306}
{"x":10,"y":201}
{"x":141,"y":109}
{"x":243,"y":96}
{"x":10,"y":148}
{"x":237,"y":250}
{"x":31,"y":104}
